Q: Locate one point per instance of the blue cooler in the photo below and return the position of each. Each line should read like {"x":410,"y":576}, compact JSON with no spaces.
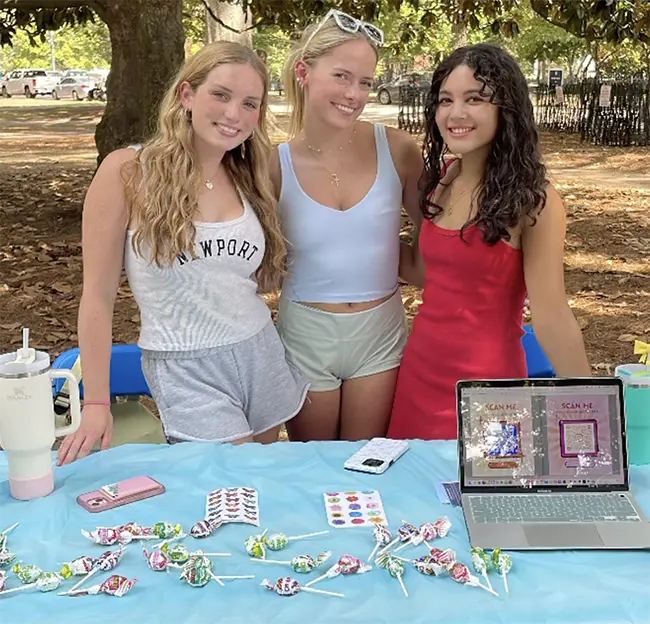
{"x":637,"y":411}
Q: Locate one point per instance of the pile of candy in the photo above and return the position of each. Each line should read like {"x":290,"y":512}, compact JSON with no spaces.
{"x":197,"y":569}
{"x":438,"y":561}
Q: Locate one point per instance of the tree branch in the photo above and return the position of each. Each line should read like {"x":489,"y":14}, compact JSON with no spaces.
{"x":259,"y":22}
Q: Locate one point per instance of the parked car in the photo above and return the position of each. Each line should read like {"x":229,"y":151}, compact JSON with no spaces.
{"x":77,"y":87}
{"x":29,"y":82}
{"x":388,"y":92}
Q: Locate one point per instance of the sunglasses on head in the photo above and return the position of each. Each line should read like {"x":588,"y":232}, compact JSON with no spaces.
{"x":350,"y":24}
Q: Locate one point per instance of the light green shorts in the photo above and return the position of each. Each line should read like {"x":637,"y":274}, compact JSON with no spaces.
{"x":330,"y":348}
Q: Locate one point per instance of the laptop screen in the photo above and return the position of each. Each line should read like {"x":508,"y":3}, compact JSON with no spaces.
{"x":542,"y":434}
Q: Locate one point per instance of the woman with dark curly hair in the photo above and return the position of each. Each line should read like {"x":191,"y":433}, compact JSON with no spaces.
{"x":493,"y":232}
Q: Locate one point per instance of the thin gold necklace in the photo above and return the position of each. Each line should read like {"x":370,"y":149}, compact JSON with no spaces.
{"x":334,"y":176}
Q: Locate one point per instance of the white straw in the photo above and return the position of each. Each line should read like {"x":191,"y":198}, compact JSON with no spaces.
{"x":404,"y":545}
{"x":385,"y":548}
{"x":271,"y":561}
{"x":487,"y":589}
{"x":17,"y":589}
{"x":505,"y":582}
{"x":216,"y":578}
{"x":320,"y":591}
{"x":487,"y":579}
{"x":401,"y":582}
{"x":81,"y":581}
{"x":245,"y":576}
{"x":200,"y":552}
{"x":11,"y":528}
{"x":295,"y":537}
{"x":374,"y":550}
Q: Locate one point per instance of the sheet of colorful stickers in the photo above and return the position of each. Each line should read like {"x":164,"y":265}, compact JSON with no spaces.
{"x":354,"y":509}
{"x":233,"y":504}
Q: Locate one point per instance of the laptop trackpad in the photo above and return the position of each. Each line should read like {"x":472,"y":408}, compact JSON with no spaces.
{"x":562,"y":535}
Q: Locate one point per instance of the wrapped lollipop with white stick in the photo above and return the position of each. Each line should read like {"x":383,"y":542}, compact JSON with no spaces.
{"x":502,"y":564}
{"x":481,"y":563}
{"x":346,"y":565}
{"x":382,"y":537}
{"x":279,"y":541}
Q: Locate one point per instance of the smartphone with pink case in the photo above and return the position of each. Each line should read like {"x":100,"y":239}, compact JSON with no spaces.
{"x":120,"y":493}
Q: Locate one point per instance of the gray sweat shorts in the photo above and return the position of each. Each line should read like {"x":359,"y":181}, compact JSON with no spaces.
{"x":225,"y":393}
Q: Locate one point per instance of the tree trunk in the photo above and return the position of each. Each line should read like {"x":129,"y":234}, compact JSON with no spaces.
{"x":234,"y":16}
{"x":460,"y":33}
{"x":147,"y":38}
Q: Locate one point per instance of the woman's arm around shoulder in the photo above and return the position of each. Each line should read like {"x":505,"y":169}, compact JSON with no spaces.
{"x":555,"y":325}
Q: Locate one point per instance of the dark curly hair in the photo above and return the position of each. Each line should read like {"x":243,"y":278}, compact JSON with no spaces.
{"x":514,"y":182}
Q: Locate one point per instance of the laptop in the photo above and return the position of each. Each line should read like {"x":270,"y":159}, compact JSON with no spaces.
{"x":543,"y":465}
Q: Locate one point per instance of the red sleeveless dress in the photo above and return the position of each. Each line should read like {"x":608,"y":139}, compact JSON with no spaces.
{"x":469,"y":326}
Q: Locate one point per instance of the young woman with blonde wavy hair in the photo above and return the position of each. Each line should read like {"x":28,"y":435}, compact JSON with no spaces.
{"x":192,"y":218}
{"x":341,"y":184}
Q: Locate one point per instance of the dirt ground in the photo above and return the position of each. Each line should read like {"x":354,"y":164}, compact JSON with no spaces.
{"x":47,"y":159}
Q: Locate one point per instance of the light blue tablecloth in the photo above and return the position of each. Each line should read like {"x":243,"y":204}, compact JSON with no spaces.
{"x":561,"y":587}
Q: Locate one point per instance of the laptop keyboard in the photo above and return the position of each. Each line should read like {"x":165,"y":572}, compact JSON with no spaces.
{"x":522,"y":508}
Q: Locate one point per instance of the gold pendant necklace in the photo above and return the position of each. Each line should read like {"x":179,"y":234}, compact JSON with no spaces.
{"x":335,"y":178}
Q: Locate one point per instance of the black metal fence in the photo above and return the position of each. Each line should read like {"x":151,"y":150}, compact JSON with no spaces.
{"x":412,"y":101}
{"x":604,"y":113}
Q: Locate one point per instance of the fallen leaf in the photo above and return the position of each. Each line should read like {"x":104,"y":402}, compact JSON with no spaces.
{"x":626,"y":338}
{"x":10,"y":326}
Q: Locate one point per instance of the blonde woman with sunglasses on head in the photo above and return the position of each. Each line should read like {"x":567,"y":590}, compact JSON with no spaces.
{"x":341,"y":184}
{"x":192,"y":217}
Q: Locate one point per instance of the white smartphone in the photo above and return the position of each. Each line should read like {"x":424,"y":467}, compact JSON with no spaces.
{"x":377,"y":456}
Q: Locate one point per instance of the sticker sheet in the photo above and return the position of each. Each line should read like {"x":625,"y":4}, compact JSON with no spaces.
{"x":354,"y":509}
{"x":234,"y":504}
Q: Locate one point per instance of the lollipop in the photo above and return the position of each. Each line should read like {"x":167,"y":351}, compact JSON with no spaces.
{"x":382,"y":537}
{"x":427,"y":531}
{"x":461,"y":574}
{"x":158,"y":560}
{"x":445,"y":558}
{"x":137,"y":531}
{"x":27,"y":574}
{"x":167,"y":530}
{"x":105,"y":562}
{"x":301,"y":563}
{"x":502,"y":564}
{"x":396,"y":569}
{"x":203,"y":529}
{"x":427,"y":565}
{"x":177,"y":553}
{"x":288,"y":586}
{"x":255,"y":545}
{"x":77,"y":567}
{"x":107,"y":536}
{"x":6,"y":558}
{"x":3,"y":536}
{"x":3,"y":580}
{"x":279,"y":541}
{"x":404,"y":533}
{"x":48,"y":581}
{"x":442,"y":526}
{"x":346,"y":565}
{"x":481,"y":563}
{"x":197,"y":572}
{"x":113,"y":586}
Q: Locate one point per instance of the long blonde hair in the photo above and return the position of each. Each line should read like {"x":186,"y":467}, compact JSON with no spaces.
{"x":309,"y":48}
{"x":162,"y":183}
